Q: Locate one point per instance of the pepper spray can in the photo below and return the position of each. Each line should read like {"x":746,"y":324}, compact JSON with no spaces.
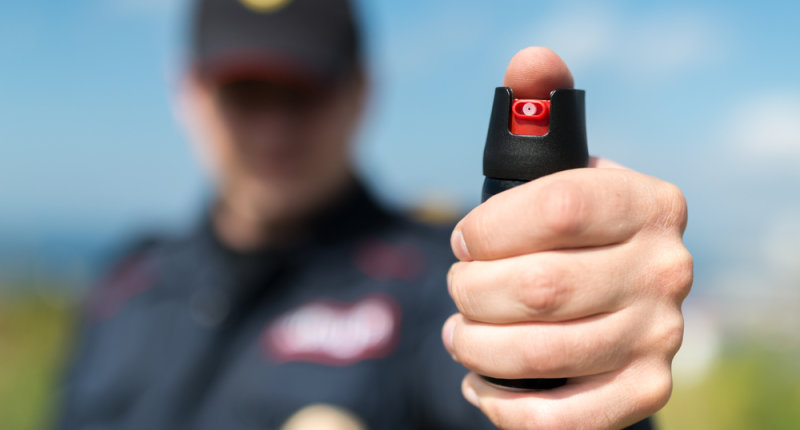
{"x":528,"y":139}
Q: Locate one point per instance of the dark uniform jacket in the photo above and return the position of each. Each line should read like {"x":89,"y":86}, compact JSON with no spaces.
{"x":187,"y":334}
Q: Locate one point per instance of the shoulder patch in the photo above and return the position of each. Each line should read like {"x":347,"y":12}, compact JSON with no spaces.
{"x":131,"y":276}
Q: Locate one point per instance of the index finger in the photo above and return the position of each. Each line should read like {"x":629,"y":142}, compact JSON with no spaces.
{"x":570,"y":209}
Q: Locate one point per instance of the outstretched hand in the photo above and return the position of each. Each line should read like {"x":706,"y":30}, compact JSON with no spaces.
{"x":579,"y":275}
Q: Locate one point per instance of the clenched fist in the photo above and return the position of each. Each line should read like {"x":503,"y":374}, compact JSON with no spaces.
{"x":579,"y":275}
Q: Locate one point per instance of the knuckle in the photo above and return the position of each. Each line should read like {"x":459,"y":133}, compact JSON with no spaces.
{"x":675,"y":274}
{"x":669,"y":335}
{"x":673,"y":210}
{"x":562,"y":207}
{"x":540,"y":289}
{"x":684,"y":273}
{"x":656,"y":392}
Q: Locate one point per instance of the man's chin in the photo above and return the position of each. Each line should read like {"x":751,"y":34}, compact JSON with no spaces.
{"x":287,"y":200}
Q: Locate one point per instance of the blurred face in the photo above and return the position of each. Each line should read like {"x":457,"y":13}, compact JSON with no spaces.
{"x":278,"y":151}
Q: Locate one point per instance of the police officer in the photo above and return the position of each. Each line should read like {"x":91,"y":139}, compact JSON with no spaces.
{"x":297,"y":299}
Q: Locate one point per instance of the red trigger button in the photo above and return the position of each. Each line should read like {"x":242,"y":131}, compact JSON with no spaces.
{"x":530,"y":117}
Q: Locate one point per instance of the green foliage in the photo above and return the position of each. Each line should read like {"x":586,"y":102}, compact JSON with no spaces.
{"x":755,"y":385}
{"x":33,"y":338}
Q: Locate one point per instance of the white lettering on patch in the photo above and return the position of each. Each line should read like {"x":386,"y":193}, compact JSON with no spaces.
{"x":335,"y":333}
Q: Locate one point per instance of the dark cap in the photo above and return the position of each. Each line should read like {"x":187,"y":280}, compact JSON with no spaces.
{"x":299,"y":41}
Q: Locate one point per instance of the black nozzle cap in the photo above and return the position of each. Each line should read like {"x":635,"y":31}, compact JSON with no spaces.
{"x":516,"y":157}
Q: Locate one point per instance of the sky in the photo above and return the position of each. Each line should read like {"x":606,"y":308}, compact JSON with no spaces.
{"x":703,"y":94}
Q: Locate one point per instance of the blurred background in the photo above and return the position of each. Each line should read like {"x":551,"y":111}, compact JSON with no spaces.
{"x":702,"y":94}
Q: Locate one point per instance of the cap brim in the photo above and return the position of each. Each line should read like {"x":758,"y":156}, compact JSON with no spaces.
{"x":260,"y":65}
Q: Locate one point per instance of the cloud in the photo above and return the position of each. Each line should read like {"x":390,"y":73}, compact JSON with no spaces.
{"x":656,"y":45}
{"x":702,"y":343}
{"x":765,"y":128}
{"x":582,"y":36}
{"x":677,"y":43}
{"x":781,"y":245}
{"x":757,"y":290}
{"x":430,"y":37}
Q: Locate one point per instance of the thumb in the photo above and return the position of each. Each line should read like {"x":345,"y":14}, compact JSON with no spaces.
{"x":534,"y":72}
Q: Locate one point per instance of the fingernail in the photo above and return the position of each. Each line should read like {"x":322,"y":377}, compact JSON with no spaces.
{"x":471,"y":396}
{"x":459,"y":245}
{"x":447,"y":336}
{"x":450,"y":281}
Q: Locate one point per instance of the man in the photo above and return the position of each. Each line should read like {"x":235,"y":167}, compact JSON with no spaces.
{"x":299,"y":299}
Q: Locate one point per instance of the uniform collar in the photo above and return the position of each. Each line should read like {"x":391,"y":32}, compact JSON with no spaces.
{"x":353,"y":214}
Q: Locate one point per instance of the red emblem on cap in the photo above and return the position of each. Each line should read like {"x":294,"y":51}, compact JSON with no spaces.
{"x":334,"y":333}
